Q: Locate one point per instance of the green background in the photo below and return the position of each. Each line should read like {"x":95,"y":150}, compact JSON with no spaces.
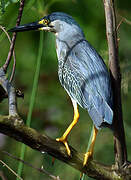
{"x":53,"y":110}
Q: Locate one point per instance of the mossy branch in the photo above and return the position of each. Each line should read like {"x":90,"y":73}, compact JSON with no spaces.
{"x":14,"y":127}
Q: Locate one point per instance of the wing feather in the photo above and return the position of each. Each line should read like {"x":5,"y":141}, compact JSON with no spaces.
{"x":87,"y":81}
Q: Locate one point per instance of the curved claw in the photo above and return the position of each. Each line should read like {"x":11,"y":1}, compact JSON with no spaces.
{"x":64,"y":141}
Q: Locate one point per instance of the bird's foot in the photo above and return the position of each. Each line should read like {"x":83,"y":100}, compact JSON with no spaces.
{"x":64,"y":141}
{"x":88,"y":155}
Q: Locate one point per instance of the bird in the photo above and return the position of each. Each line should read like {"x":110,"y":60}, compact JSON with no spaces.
{"x":81,"y":71}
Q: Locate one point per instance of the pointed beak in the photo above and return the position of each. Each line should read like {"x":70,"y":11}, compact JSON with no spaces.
{"x":28,"y":27}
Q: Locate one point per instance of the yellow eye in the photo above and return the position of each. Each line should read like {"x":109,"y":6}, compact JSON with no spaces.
{"x":44,"y":21}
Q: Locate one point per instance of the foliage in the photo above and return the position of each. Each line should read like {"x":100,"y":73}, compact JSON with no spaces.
{"x":4,"y":4}
{"x":53,"y":110}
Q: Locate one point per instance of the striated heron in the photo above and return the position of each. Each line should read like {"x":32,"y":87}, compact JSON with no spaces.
{"x":82,"y":72}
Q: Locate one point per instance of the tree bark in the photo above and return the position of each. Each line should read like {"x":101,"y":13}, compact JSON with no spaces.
{"x":119,"y":134}
{"x":15,"y":128}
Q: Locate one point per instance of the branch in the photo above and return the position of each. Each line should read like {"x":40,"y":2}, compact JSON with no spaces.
{"x":32,"y":166}
{"x":119,"y":134}
{"x":10,"y":90}
{"x":14,"y":65}
{"x":5,"y":66}
{"x":15,"y":128}
{"x":4,"y":164}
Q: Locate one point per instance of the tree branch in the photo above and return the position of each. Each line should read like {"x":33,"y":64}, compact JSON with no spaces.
{"x":5,"y":66}
{"x":14,"y":65}
{"x":10,"y":90}
{"x":15,"y":128}
{"x":32,"y":166}
{"x":119,"y":134}
{"x":4,"y":164}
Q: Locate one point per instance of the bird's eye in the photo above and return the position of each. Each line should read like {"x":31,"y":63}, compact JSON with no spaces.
{"x":45,"y":21}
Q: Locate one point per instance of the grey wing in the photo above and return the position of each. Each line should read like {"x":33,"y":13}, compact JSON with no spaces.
{"x":87,"y":82}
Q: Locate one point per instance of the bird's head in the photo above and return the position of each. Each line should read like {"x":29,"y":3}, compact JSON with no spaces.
{"x":56,"y":22}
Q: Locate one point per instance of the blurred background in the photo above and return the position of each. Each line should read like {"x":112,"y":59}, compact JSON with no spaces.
{"x":53,"y":110}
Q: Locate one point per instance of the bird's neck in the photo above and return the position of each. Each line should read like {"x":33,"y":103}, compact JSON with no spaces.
{"x":65,"y":42}
{"x":64,"y":45}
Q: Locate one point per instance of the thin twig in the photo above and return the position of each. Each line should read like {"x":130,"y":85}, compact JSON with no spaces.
{"x":14,"y":64}
{"x":118,"y":26}
{"x":5,"y":66}
{"x":30,"y":165}
{"x":127,"y":21}
{"x":11,"y":170}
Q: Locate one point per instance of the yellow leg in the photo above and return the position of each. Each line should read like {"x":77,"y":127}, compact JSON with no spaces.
{"x":63,"y":139}
{"x":91,"y":148}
